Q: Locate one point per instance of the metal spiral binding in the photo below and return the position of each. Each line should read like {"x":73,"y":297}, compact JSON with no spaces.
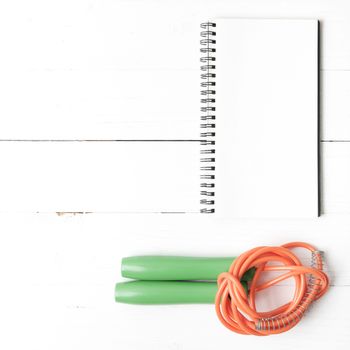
{"x":207,"y":135}
{"x":293,"y":317}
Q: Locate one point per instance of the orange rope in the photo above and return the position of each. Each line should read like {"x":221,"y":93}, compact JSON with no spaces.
{"x":237,"y":310}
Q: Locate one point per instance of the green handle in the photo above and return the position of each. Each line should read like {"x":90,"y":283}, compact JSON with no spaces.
{"x":166,"y":292}
{"x":172,"y":268}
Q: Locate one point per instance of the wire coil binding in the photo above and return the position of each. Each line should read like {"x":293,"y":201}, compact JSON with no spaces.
{"x":208,"y":41}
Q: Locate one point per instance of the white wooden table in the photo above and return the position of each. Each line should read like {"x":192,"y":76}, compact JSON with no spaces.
{"x":75,"y":76}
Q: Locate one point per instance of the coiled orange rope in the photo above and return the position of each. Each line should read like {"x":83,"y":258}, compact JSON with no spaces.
{"x":237,"y":310}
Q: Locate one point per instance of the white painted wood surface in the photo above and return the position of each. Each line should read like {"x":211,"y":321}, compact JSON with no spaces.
{"x":78,"y":70}
{"x":119,"y":177}
{"x":103,"y":70}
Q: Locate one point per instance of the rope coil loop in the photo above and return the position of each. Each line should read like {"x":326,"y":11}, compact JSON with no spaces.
{"x":237,"y":311}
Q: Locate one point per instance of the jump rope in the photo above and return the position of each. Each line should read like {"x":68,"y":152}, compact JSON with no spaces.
{"x":184,"y":280}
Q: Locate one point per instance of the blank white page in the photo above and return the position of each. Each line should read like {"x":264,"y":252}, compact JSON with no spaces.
{"x":267,"y":118}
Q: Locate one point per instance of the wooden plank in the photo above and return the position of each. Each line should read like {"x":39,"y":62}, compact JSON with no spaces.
{"x":324,"y":326}
{"x":99,"y":176}
{"x":133,"y":105}
{"x":63,"y":272}
{"x":106,"y":71}
{"x":98,"y":72}
{"x":335,"y":177}
{"x":117,"y":35}
{"x":335,"y":107}
{"x":100,"y":105}
{"x":335,"y":47}
{"x":89,"y":176}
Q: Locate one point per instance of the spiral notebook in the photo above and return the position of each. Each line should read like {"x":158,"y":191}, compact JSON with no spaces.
{"x":257,"y":154}
{"x":260,"y":118}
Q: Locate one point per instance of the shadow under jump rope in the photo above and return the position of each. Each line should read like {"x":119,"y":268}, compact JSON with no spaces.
{"x":185,"y":280}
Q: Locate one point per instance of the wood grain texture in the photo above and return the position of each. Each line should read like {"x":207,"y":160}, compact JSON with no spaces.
{"x":335,"y":105}
{"x":61,"y":276}
{"x":150,"y":177}
{"x":103,"y":70}
{"x":91,"y":176}
{"x":335,"y":177}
